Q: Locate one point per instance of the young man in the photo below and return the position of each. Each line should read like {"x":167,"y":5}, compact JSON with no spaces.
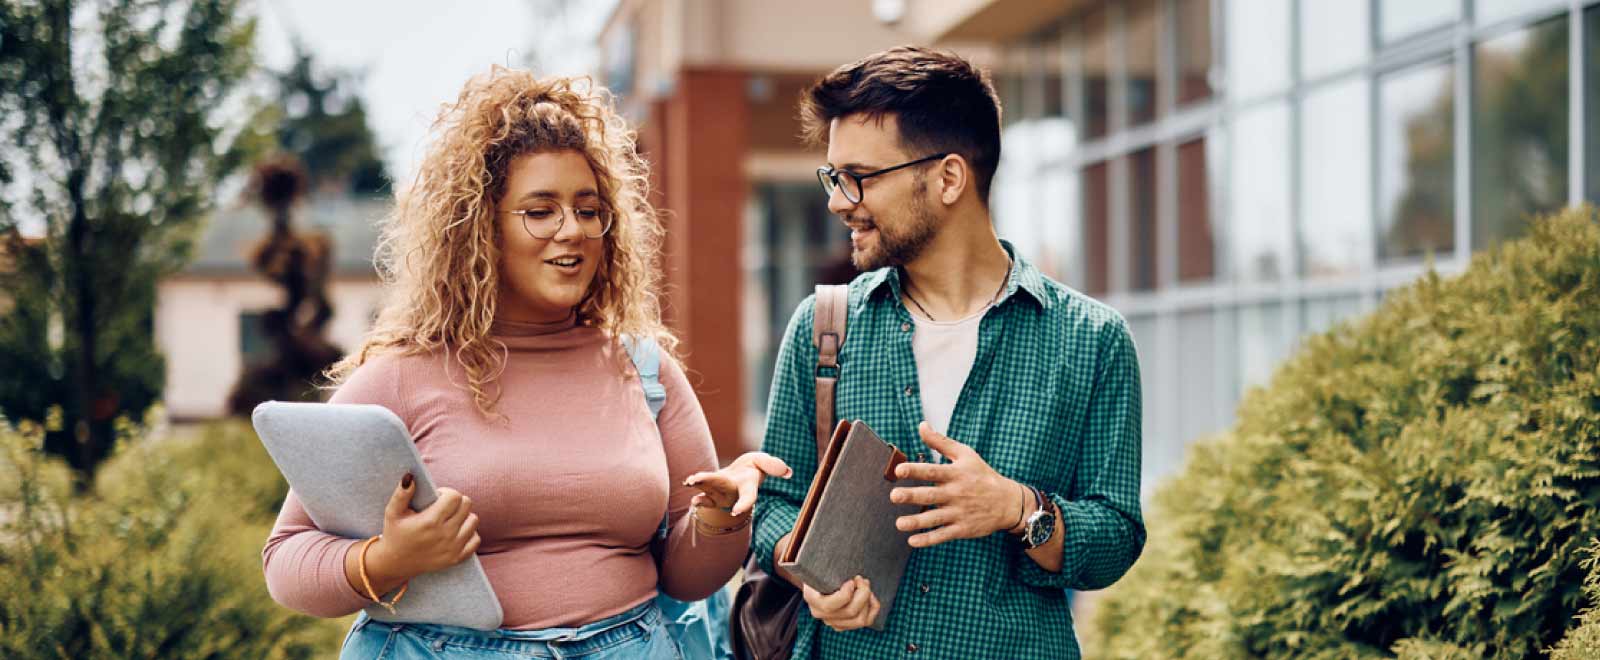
{"x":1017,"y":398}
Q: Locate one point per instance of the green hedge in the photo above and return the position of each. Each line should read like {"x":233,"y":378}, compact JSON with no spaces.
{"x":161,"y":560}
{"x":1583,"y":642}
{"x":1420,"y":483}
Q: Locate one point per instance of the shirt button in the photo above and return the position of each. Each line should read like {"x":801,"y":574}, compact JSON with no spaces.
{"x":908,"y":390}
{"x":924,"y":588}
{"x":905,"y":327}
{"x":912,"y":648}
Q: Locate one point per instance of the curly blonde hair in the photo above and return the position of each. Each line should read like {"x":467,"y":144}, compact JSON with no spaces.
{"x":439,"y":249}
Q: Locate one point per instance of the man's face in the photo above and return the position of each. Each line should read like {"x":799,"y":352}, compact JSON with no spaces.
{"x":894,"y":221}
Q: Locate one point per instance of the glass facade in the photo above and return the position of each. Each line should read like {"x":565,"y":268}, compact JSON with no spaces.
{"x":1248,"y":172}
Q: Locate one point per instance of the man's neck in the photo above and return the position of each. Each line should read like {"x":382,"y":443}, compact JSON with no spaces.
{"x":959,"y":272}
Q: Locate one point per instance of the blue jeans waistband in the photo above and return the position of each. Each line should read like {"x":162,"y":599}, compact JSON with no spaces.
{"x":597,"y":635}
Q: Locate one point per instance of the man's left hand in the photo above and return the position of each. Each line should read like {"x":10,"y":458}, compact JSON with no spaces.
{"x":970,"y":499}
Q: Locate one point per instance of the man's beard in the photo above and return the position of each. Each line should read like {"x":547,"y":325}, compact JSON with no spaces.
{"x":905,"y":242}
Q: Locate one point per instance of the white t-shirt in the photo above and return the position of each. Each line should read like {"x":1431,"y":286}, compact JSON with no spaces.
{"x":945,"y":351}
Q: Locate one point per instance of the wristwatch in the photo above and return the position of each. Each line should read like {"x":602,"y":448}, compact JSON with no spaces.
{"x":1041,"y":525}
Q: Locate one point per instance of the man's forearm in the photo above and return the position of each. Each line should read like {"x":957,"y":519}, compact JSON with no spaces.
{"x":1048,"y":556}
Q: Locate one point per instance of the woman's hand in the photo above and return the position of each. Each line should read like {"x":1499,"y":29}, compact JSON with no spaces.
{"x":417,"y":542}
{"x":732,"y":489}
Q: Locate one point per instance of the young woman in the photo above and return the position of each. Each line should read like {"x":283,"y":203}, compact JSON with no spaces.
{"x":517,"y":263}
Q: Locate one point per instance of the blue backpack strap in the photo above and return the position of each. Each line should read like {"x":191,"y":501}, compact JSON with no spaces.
{"x":701,"y":627}
{"x":646,"y":355}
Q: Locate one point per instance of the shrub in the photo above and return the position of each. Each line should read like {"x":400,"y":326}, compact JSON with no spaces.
{"x":1419,"y":483}
{"x":1583,"y":642}
{"x":162,"y":560}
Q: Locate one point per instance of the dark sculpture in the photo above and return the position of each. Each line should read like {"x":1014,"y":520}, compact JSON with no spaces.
{"x":299,"y":263}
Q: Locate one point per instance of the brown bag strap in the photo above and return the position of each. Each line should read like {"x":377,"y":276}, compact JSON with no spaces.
{"x":827,"y":334}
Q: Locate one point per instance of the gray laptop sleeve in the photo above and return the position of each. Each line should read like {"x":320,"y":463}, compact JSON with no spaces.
{"x":343,"y":462}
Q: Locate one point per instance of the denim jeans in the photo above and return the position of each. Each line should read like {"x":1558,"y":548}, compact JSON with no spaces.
{"x":637,"y":633}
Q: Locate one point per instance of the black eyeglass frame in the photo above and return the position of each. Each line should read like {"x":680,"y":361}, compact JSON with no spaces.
{"x":829,"y":177}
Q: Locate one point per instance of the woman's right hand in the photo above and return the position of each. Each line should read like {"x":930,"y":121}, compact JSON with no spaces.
{"x":417,"y":542}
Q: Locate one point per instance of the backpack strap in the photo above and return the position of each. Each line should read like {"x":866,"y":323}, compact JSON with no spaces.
{"x":831,"y":311}
{"x":646,"y":355}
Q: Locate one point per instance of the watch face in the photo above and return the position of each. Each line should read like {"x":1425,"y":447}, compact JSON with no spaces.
{"x":1040,"y":529}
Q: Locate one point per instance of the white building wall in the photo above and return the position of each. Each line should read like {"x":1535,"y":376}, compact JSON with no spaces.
{"x":197,"y":330}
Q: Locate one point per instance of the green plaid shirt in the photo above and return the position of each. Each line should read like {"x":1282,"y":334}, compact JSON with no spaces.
{"x":1052,"y":402}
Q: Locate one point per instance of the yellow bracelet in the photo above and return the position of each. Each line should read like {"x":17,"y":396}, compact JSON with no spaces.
{"x":700,"y":525}
{"x":362,"y":562}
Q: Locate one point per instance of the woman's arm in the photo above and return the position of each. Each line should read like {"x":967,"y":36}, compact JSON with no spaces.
{"x":693,"y":564}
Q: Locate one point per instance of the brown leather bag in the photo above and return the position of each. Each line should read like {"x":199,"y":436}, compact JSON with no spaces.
{"x":766,"y":607}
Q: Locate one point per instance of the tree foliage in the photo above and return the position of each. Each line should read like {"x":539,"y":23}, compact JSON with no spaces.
{"x":115,"y":117}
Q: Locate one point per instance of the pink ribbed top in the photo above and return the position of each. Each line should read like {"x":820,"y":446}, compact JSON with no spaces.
{"x":569,"y":489}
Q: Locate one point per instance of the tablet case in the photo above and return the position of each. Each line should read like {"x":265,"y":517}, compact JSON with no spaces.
{"x":343,"y":462}
{"x":846,"y":524}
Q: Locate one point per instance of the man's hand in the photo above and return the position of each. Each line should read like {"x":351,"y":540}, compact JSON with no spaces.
{"x":852,"y":606}
{"x":970,"y":499}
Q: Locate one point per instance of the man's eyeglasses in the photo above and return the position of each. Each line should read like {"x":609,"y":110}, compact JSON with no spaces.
{"x":849,"y":182}
{"x":543,"y":219}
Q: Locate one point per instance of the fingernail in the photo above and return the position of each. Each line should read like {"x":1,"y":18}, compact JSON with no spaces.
{"x":405,"y":481}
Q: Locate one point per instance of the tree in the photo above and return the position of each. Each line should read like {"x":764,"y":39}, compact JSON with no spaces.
{"x":116,"y":122}
{"x":323,"y":122}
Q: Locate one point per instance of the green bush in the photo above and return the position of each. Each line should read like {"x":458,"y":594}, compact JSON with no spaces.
{"x":1583,"y":642}
{"x":161,"y":560}
{"x":1420,"y":483}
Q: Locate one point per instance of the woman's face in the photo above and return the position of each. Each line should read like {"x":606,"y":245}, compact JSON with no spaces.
{"x":543,"y":279}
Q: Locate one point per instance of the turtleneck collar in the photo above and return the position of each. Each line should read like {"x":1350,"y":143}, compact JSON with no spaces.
{"x":510,"y":328}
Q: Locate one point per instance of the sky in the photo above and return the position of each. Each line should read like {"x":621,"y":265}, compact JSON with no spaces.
{"x":417,"y":53}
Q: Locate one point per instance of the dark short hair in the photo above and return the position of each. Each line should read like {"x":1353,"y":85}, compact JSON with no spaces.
{"x":941,"y":102}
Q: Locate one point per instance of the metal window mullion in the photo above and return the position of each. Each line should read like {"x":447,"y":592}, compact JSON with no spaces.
{"x":1117,"y":266}
{"x":1576,"y":126}
{"x":1290,"y":319}
{"x":1463,"y":134}
{"x":1075,"y":104}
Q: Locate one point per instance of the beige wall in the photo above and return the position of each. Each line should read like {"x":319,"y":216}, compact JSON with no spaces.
{"x":771,"y":37}
{"x":197,"y":329}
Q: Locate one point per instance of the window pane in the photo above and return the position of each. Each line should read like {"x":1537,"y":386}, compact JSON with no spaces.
{"x":1142,"y":236}
{"x":1591,"y":91}
{"x":1196,"y":251}
{"x":1012,"y":85}
{"x":1403,"y":17}
{"x":1262,"y":343}
{"x":1096,"y":74}
{"x":1051,"y":69}
{"x":1144,"y":70}
{"x":1162,"y":451}
{"x":1333,"y":35}
{"x":1318,"y":315}
{"x":1335,"y":180}
{"x":1059,"y":212}
{"x":1258,"y":47}
{"x":1194,"y":51}
{"x":1519,"y":130}
{"x":1197,"y":371}
{"x":1258,"y":214}
{"x":1096,"y":238}
{"x":1489,"y":11}
{"x":1416,"y":162}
